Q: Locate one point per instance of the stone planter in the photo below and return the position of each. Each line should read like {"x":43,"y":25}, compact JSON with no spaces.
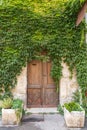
{"x":74,"y":118}
{"x":10,"y":117}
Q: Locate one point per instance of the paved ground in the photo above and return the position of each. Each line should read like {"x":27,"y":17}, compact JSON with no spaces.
{"x":47,"y":122}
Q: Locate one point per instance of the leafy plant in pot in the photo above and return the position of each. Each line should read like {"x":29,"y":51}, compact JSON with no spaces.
{"x":74,"y":115}
{"x":12,"y":111}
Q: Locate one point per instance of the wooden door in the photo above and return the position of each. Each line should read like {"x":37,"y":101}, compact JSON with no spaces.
{"x":41,"y":88}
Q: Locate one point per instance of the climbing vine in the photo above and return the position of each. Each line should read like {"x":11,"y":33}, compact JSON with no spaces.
{"x":30,"y":27}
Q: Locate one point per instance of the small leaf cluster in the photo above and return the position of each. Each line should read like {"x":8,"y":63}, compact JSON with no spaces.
{"x":7,"y":103}
{"x":72,"y":106}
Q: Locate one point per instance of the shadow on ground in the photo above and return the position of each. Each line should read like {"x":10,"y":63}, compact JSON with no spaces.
{"x":43,"y":122}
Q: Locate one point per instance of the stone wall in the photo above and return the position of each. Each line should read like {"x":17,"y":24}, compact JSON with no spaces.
{"x":67,"y":86}
{"x":20,"y":91}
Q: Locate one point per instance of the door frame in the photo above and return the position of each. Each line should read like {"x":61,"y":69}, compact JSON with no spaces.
{"x":42,"y":88}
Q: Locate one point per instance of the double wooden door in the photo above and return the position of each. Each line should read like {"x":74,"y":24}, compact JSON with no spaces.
{"x":41,"y":90}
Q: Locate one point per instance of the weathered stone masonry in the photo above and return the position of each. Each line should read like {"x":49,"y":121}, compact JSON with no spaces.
{"x":67,"y":86}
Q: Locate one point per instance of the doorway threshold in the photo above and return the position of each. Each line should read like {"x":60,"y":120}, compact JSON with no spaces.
{"x":42,"y":110}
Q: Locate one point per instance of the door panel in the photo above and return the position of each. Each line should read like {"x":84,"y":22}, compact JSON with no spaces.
{"x":35,"y":70}
{"x":51,"y":96}
{"x":51,"y":99}
{"x":41,"y":88}
{"x":34,"y":95}
{"x":34,"y":98}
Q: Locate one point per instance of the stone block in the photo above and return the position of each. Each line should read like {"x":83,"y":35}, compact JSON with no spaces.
{"x":74,"y":118}
{"x":67,"y":85}
{"x":9,"y":117}
{"x":21,"y":82}
{"x":65,"y":70}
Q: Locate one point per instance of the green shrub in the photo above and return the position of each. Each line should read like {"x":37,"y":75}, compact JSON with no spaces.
{"x":76,"y":97}
{"x":0,"y":111}
{"x":7,"y":103}
{"x":17,"y":103}
{"x":60,"y":109}
{"x":72,"y":106}
{"x":18,"y":106}
{"x":1,"y":101}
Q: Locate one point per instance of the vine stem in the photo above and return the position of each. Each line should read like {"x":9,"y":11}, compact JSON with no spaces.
{"x":80,"y":99}
{"x":86,"y":27}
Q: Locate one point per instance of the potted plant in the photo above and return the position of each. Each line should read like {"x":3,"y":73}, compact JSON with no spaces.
{"x":12,"y":111}
{"x":74,"y":115}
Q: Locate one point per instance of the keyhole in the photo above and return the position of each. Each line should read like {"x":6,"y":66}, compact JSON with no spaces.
{"x":33,"y":64}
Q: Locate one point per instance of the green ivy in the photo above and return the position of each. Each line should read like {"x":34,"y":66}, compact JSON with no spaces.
{"x":30,"y":27}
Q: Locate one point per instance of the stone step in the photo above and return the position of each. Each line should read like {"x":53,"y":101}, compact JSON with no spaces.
{"x":33,"y":118}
